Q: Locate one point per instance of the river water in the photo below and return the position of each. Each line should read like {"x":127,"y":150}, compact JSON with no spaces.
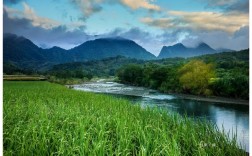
{"x":231,"y":117}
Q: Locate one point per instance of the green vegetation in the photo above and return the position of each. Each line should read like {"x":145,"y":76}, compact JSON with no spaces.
{"x":98,"y":68}
{"x":11,"y":69}
{"x":222,"y":74}
{"x":62,"y":76}
{"x":40,"y":118}
{"x":80,"y":72}
{"x":195,"y":77}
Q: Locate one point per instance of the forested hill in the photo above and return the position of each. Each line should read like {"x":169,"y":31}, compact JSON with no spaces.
{"x":221,"y":74}
{"x":100,"y":68}
{"x":224,"y":74}
{"x":108,"y":66}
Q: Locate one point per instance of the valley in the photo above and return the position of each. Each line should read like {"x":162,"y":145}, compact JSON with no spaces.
{"x":125,"y":78}
{"x":196,"y":89}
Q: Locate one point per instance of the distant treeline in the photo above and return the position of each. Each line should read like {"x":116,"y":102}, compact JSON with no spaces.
{"x":223,"y":74}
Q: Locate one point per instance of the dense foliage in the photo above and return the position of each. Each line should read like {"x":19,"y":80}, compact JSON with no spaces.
{"x":222,"y":74}
{"x":227,"y":73}
{"x":195,"y":77}
{"x":99,"y":68}
{"x":11,"y":69}
{"x":40,"y":118}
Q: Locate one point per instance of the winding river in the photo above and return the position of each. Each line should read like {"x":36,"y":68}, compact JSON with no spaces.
{"x":225,"y":114}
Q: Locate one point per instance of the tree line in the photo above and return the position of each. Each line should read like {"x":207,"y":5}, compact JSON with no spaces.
{"x":194,"y":77}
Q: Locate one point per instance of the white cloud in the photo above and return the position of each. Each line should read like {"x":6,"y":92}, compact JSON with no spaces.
{"x":160,"y":22}
{"x":136,"y":4}
{"x":31,"y":15}
{"x":46,"y":23}
{"x":200,"y":21}
{"x":90,"y":7}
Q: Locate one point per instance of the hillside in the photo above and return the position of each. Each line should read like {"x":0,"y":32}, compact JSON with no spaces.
{"x":22,"y":52}
{"x":101,"y":68}
{"x":108,"y":66}
{"x":110,"y":47}
{"x":224,"y":74}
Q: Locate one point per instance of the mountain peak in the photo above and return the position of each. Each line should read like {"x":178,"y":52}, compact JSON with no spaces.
{"x":203,"y":44}
{"x":178,"y":45}
{"x":179,"y":50}
{"x":110,"y":47}
{"x":14,"y":37}
{"x":56,"y":48}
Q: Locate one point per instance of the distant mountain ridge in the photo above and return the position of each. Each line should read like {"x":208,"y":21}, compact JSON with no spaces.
{"x":21,"y":51}
{"x":111,"y":47}
{"x":25,"y":53}
{"x":179,"y":50}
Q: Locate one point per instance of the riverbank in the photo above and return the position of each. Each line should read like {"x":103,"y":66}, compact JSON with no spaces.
{"x":142,"y":91}
{"x":210,"y":98}
{"x":213,"y":99}
{"x":55,"y":120}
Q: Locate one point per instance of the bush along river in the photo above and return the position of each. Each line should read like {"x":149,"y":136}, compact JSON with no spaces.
{"x":231,"y":116}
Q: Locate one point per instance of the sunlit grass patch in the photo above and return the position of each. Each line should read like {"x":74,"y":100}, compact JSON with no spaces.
{"x":23,"y":78}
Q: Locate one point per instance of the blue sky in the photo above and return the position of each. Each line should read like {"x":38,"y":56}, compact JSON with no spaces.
{"x":151,"y":23}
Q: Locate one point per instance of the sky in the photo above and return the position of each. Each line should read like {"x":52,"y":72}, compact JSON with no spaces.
{"x":150,"y":23}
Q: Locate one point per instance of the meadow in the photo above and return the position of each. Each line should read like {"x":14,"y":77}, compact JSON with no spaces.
{"x":41,"y":118}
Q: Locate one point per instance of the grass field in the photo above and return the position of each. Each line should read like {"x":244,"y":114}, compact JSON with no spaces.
{"x":41,"y":118}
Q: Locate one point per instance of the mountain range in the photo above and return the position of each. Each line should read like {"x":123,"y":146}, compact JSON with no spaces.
{"x":179,"y":50}
{"x":24,"y":53}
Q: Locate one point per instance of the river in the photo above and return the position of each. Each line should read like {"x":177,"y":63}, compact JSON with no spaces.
{"x":231,"y":117}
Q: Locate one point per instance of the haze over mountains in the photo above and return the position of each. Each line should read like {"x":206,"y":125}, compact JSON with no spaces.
{"x":179,"y":50}
{"x":24,"y":53}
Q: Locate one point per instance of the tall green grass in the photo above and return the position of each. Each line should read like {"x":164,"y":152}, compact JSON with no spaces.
{"x":48,"y":119}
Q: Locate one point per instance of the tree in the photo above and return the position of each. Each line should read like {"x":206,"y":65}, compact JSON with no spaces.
{"x":235,"y":85}
{"x":195,"y":77}
{"x":171,"y":84}
{"x":148,"y":70}
{"x":131,"y":74}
